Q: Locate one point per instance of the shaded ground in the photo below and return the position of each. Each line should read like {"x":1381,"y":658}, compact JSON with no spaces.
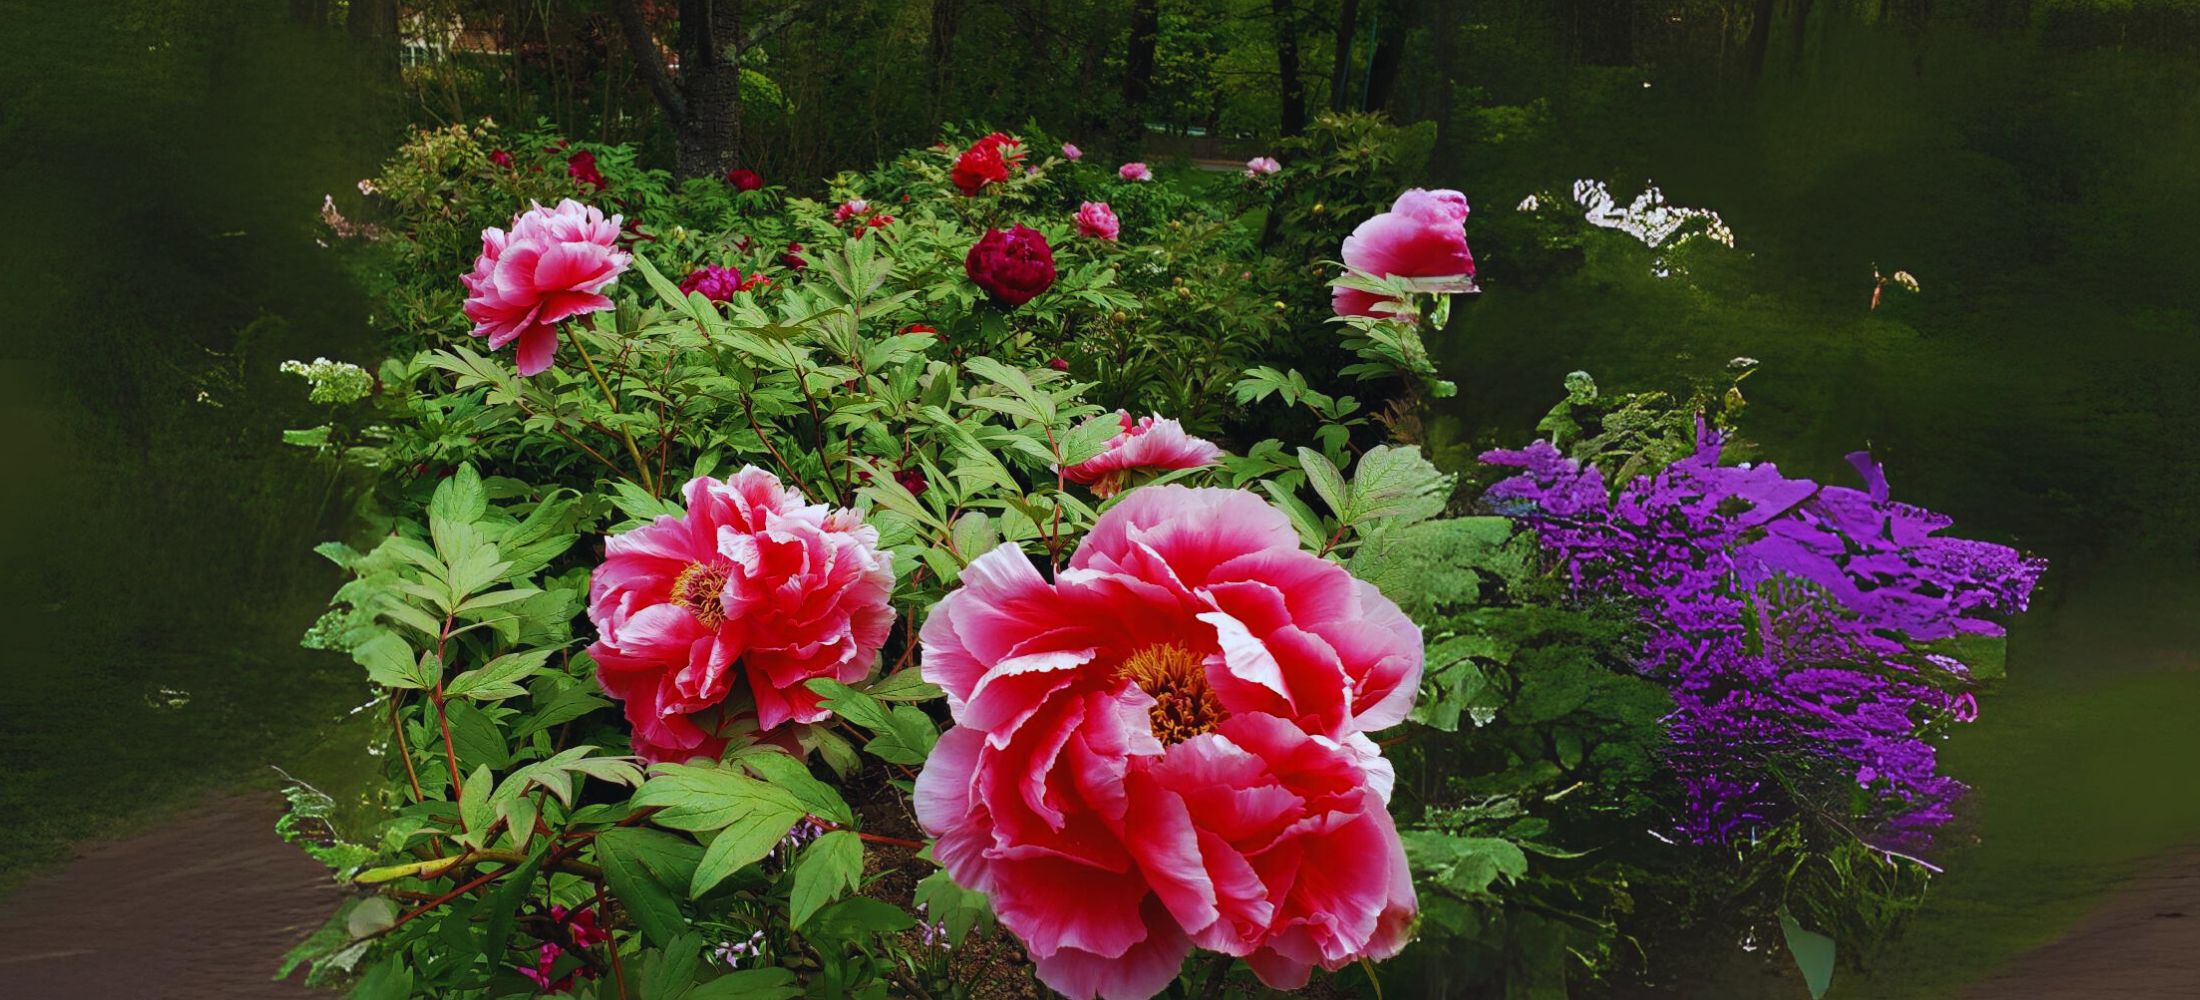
{"x":2144,"y":941}
{"x":202,"y":908}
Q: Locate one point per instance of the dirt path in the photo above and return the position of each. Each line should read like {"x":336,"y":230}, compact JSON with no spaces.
{"x":2143,"y":941}
{"x":200,"y":909}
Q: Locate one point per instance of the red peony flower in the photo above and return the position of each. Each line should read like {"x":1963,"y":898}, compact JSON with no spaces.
{"x":1058,"y":363}
{"x":987,"y":161}
{"x":552,"y":266}
{"x":752,"y":584}
{"x":920,"y":328}
{"x":1164,"y":747}
{"x":744,"y":179}
{"x":719,"y":283}
{"x":581,"y":166}
{"x":793,"y":257}
{"x":1013,"y":265}
{"x":502,"y":158}
{"x":850,"y":209}
{"x":1146,"y":443}
{"x":912,"y":479}
{"x":1424,"y":235}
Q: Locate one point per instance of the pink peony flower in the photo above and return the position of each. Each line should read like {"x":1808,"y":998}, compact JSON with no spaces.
{"x":1134,"y":172}
{"x":1424,"y":235}
{"x":553,"y":265}
{"x":850,"y":209}
{"x":1096,"y":219}
{"x":1072,"y":153}
{"x":719,"y":283}
{"x":1146,"y":443}
{"x":753,"y":584}
{"x":1261,"y":165}
{"x":1165,"y":747}
{"x":582,"y":928}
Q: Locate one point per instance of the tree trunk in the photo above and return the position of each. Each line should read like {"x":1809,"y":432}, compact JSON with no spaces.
{"x":1138,"y":72}
{"x":946,"y":18}
{"x":709,"y":139}
{"x":1340,"y":68}
{"x":1391,"y":32}
{"x":1760,"y":39}
{"x":1293,"y":92}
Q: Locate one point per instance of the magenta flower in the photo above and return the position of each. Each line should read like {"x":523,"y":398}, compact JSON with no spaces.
{"x":1146,"y":443}
{"x":1071,"y":153}
{"x":1261,"y":165}
{"x":1134,"y":171}
{"x":850,"y":209}
{"x":581,"y":927}
{"x":1097,"y":220}
{"x":719,"y":283}
{"x":553,"y":265}
{"x":751,"y":585}
{"x":1164,"y":747}
{"x":1424,"y":235}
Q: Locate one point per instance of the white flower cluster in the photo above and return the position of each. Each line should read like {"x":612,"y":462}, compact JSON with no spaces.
{"x":333,"y":381}
{"x":1649,"y":217}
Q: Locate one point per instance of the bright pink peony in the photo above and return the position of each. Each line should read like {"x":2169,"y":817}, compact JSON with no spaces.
{"x":1134,"y":172}
{"x":1164,"y":747}
{"x":1071,"y":153}
{"x":751,"y":583}
{"x":1424,"y":235}
{"x":1146,"y":443}
{"x":553,"y":265}
{"x":1261,"y":165}
{"x":718,"y":283}
{"x":1096,"y":219}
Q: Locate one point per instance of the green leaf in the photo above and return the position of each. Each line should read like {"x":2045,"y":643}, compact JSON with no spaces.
{"x":473,"y":805}
{"x":1813,"y":954}
{"x":959,"y":908}
{"x":459,"y":497}
{"x":827,"y":868}
{"x":907,"y":685}
{"x":669,"y":973}
{"x":787,"y":772}
{"x":499,"y":909}
{"x":373,"y":915}
{"x":749,"y":984}
{"x":858,"y":917}
{"x":634,"y":861}
{"x":388,"y":659}
{"x":1396,"y":484}
{"x":1090,"y":438}
{"x":708,"y":797}
{"x":500,"y":677}
{"x":389,"y":979}
{"x":741,"y":844}
{"x":1327,"y":482}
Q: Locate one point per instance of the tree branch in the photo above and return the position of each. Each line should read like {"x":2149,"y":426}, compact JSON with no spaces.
{"x":648,"y":60}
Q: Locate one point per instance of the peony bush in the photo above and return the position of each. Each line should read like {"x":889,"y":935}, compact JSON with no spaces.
{"x":901,"y":593}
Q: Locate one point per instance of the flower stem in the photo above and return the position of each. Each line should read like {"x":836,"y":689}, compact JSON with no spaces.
{"x":641,"y":465}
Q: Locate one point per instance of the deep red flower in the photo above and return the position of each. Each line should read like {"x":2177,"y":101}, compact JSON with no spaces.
{"x":1013,"y":265}
{"x":920,"y":328}
{"x":912,"y":479}
{"x":744,"y":179}
{"x":987,"y":161}
{"x":581,"y":166}
{"x":1058,"y":363}
{"x":793,"y":257}
{"x":502,"y":158}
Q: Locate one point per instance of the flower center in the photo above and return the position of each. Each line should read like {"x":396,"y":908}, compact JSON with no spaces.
{"x":1176,"y":678}
{"x":698,"y":588}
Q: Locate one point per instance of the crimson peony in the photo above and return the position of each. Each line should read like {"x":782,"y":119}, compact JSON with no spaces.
{"x":1013,"y":265}
{"x":744,"y":179}
{"x":1165,"y":747}
{"x":581,"y":166}
{"x":552,"y":266}
{"x":1097,"y":220}
{"x":1145,"y":443}
{"x":752,"y":584}
{"x":1424,"y":235}
{"x":987,"y":161}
